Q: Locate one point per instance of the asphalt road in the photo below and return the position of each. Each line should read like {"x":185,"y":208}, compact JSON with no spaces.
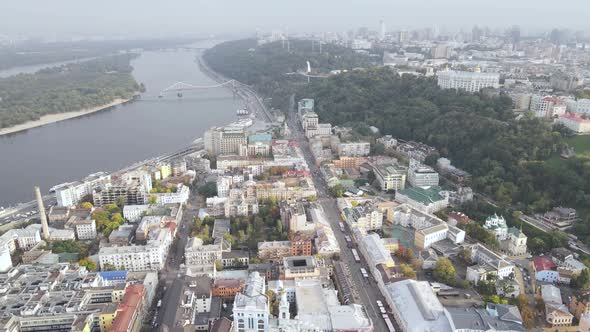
{"x":170,"y":276}
{"x":366,"y":290}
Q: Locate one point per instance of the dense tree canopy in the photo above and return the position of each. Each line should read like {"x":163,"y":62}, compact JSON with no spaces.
{"x":477,"y":132}
{"x":271,"y":67}
{"x":68,"y":88}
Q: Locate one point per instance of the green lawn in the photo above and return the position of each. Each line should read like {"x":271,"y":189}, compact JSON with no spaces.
{"x":580,"y":143}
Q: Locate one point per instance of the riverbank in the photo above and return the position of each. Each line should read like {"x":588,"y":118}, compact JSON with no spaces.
{"x":52,"y":118}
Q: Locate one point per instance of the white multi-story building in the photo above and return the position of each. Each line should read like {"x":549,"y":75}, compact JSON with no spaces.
{"x":424,"y":238}
{"x":388,"y":141}
{"x":297,"y":219}
{"x":223,"y":185}
{"x":574,"y":122}
{"x":133,"y":213}
{"x":390,"y":177}
{"x":180,"y":196}
{"x":251,"y":307}
{"x":138,"y":258}
{"x":85,"y":229}
{"x":309,"y":120}
{"x":256,"y":149}
{"x":467,"y":80}
{"x":420,"y":175}
{"x":354,"y":149}
{"x":321,"y":129}
{"x":488,"y":262}
{"x":547,"y":106}
{"x":5,"y":259}
{"x":224,"y":140}
{"x":72,"y":194}
{"x":199,"y":254}
{"x":364,"y":215}
{"x":23,"y":239}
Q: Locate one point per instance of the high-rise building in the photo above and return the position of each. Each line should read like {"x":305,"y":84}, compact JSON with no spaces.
{"x":382,"y":31}
{"x":440,"y":51}
{"x":402,"y":36}
{"x":224,"y":140}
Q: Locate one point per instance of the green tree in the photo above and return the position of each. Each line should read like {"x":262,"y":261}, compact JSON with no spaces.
{"x":218,"y":265}
{"x":582,"y":281}
{"x":528,"y":317}
{"x":118,"y":218}
{"x":279,"y":226}
{"x":152,"y":199}
{"x":85,"y":205}
{"x":444,"y":271}
{"x":88,"y":263}
{"x":465,"y":255}
{"x":109,"y":267}
{"x":209,"y":189}
{"x":112,"y":208}
{"x":407,"y":271}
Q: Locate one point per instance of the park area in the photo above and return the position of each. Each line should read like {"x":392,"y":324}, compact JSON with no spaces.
{"x":581,"y":145}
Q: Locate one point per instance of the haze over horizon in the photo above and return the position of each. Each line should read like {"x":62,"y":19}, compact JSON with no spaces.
{"x":64,"y":18}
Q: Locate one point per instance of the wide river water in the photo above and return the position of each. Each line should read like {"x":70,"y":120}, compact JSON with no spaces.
{"x":112,"y":139}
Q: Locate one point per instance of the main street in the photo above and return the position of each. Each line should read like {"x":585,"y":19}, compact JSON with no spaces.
{"x":171,"y":276}
{"x":366,"y":289}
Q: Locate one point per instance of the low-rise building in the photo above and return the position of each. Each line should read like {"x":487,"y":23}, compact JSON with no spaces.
{"x":227,"y":288}
{"x":251,"y":307}
{"x":85,"y":228}
{"x":420,"y":175}
{"x":429,"y":200}
{"x":415,"y":307}
{"x":556,"y":313}
{"x":301,"y":245}
{"x":501,"y":317}
{"x":199,"y":254}
{"x":487,"y":262}
{"x":390,"y":177}
{"x":274,"y":250}
{"x":515,"y":244}
{"x":152,"y":256}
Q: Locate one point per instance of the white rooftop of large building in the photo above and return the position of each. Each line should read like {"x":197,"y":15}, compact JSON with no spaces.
{"x":377,"y":251}
{"x":418,"y":307}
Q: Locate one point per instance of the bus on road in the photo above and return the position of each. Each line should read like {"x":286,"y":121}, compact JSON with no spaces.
{"x":356,"y":255}
{"x":364,"y":273}
{"x":348,"y":241}
{"x":388,"y":323}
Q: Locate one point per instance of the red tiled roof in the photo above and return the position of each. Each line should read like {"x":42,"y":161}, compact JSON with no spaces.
{"x":128,"y":308}
{"x":574,"y":117}
{"x":543,"y":263}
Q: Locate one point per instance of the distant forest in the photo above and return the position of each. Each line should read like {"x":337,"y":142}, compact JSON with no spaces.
{"x":272,"y":68}
{"x":67,"y":88}
{"x":35,"y":53}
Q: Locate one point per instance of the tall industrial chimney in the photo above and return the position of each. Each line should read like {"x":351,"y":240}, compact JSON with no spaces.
{"x":42,"y":214}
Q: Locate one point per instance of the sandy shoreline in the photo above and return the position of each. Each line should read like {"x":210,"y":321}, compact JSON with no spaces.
{"x":52,"y":118}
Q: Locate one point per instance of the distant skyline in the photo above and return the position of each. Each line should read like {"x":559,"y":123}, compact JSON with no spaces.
{"x":62,"y":18}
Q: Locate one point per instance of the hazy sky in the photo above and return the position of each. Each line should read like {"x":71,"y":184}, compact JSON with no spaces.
{"x":150,"y":17}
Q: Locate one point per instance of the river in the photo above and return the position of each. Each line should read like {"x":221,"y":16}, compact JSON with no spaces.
{"x":112,"y":139}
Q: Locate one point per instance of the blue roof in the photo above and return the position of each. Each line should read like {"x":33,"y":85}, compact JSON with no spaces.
{"x":113,"y":275}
